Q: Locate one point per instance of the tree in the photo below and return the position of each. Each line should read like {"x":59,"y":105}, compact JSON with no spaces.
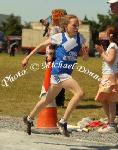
{"x":97,"y":26}
{"x":85,"y":20}
{"x":27,"y":25}
{"x":12,"y":25}
{"x":103,"y":22}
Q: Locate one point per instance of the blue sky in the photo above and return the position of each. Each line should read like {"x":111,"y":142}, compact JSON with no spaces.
{"x":34,"y":10}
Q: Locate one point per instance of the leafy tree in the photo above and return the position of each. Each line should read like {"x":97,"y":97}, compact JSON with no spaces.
{"x":105,"y":21}
{"x":85,"y":20}
{"x":12,"y":25}
{"x":97,"y":26}
{"x":27,"y":25}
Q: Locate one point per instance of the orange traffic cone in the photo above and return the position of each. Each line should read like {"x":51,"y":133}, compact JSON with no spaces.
{"x":47,"y":118}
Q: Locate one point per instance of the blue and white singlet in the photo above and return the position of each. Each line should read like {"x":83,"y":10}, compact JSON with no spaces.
{"x":66,"y":53}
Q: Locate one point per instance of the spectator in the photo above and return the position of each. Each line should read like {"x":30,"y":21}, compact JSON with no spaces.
{"x":108,"y":89}
{"x":114,"y":10}
{"x":46,"y":24}
{"x":13,"y":48}
{"x":114,"y":6}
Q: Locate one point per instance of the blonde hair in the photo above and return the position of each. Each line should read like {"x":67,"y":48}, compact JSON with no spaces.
{"x":64,"y":21}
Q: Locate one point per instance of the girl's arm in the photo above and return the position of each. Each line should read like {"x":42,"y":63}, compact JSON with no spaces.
{"x":108,"y":57}
{"x":85,"y":52}
{"x":44,"y":44}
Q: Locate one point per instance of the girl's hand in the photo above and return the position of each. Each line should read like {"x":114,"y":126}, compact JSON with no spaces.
{"x":24,"y":62}
{"x":85,"y":52}
{"x":99,"y":48}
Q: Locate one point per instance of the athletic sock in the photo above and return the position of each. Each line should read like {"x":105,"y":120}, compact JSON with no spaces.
{"x":29,"y":119}
{"x":112,"y":124}
{"x":62,"y":120}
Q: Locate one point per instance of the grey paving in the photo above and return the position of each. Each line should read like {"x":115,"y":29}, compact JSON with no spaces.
{"x":19,"y":140}
{"x":13,"y":137}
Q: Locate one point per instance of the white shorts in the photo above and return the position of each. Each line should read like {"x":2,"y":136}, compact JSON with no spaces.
{"x":55,"y":79}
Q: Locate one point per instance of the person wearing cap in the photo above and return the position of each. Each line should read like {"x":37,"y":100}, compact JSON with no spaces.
{"x":13,"y":48}
{"x":114,"y":6}
{"x":46,"y":24}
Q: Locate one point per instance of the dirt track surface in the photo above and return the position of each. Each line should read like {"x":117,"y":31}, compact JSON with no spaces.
{"x":13,"y":137}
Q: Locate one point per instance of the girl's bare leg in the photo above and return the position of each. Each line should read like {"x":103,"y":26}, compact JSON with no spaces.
{"x":72,"y":86}
{"x":52,"y":93}
{"x":112,"y":112}
{"x":105,"y":106}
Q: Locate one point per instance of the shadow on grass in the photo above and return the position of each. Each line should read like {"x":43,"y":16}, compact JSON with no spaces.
{"x":88,"y":106}
{"x":88,"y":99}
{"x":85,"y":100}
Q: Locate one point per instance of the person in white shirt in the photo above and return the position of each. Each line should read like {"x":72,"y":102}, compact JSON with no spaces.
{"x":108,"y":89}
{"x":114,"y":10}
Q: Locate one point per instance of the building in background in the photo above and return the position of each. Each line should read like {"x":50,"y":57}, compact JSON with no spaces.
{"x":32,"y":37}
{"x":83,"y":29}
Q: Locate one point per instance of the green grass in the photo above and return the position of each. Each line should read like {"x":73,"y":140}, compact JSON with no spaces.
{"x":21,"y":95}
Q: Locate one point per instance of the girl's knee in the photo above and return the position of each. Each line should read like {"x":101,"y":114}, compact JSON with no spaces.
{"x":79,"y":94}
{"x":82,"y":94}
{"x":46,"y":100}
{"x":49,"y":100}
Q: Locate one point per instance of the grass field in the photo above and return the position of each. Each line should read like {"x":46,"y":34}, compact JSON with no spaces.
{"x":19,"y":97}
